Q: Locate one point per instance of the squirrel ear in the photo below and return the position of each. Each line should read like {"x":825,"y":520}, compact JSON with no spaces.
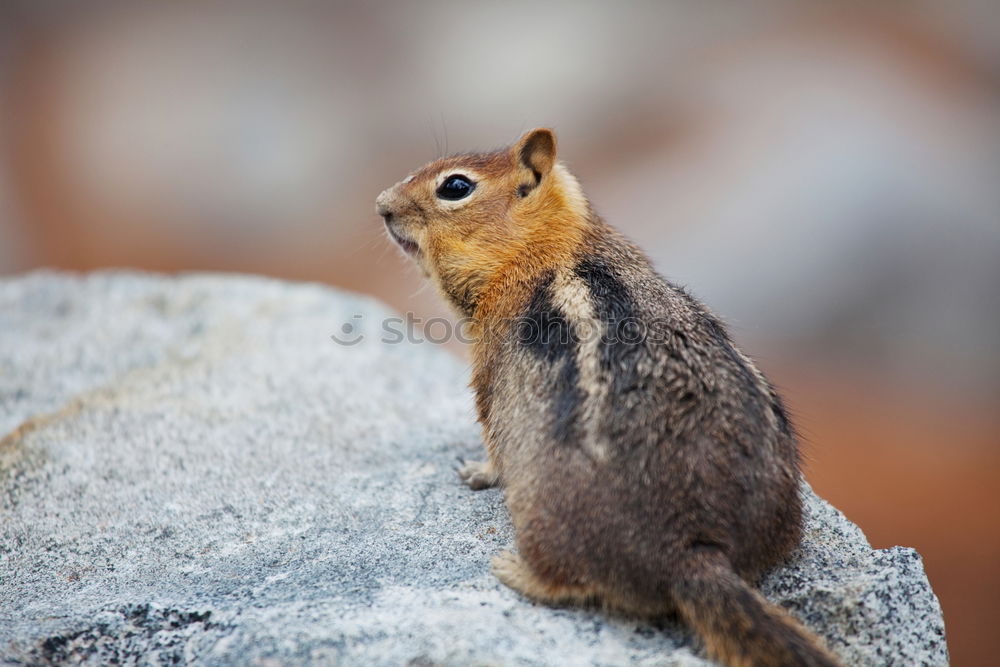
{"x":536,"y":152}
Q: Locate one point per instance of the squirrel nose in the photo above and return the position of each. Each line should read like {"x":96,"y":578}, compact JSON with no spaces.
{"x":382,"y":205}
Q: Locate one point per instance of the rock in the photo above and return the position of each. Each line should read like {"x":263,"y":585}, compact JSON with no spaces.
{"x":194,"y":471}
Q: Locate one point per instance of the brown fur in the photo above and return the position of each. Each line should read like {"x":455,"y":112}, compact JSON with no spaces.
{"x":655,"y":474}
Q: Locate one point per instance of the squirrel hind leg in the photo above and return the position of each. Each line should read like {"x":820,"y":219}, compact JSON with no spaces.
{"x":512,"y":571}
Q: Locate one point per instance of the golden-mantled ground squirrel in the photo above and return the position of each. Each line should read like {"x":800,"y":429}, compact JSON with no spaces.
{"x":647,"y":464}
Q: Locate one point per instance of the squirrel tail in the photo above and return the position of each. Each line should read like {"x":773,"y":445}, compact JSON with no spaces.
{"x":739,"y":627}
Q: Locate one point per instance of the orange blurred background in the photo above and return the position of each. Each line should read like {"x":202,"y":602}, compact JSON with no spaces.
{"x":825,"y":175}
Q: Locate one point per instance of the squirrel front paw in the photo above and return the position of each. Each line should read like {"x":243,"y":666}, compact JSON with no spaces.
{"x":478,"y":475}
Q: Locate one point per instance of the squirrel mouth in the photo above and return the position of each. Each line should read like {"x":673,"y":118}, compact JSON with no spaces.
{"x":409,"y":247}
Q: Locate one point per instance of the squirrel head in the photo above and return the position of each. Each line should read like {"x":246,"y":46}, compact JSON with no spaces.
{"x":474,"y":219}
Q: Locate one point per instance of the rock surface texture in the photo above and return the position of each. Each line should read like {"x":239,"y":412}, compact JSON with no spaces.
{"x":192,"y":470}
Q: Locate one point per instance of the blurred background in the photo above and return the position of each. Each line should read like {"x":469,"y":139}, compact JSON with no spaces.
{"x":826,"y":175}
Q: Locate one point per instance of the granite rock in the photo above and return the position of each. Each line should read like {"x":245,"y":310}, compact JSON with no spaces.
{"x":192,"y":470}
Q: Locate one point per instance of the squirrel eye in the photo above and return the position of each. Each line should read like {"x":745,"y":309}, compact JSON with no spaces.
{"x":455,"y":187}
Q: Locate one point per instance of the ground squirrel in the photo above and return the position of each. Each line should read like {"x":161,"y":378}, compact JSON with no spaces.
{"x":646,"y":462}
